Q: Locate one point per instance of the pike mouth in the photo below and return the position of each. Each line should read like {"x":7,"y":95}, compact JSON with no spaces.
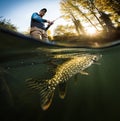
{"x":96,"y":58}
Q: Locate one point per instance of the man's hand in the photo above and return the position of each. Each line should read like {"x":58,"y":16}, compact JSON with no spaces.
{"x":50,"y":22}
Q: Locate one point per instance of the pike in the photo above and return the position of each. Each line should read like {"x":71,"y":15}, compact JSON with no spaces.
{"x":63,"y":73}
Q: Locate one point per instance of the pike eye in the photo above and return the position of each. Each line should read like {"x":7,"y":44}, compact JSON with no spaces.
{"x":95,"y":58}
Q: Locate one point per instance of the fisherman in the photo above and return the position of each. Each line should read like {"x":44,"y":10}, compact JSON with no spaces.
{"x":38,"y":29}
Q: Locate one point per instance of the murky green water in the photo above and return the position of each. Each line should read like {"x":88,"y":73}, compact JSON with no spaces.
{"x":93,"y":97}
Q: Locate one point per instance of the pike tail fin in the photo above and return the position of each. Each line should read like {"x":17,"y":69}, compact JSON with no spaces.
{"x":45,"y":90}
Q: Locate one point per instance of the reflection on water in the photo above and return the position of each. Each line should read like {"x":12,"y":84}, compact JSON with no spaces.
{"x":76,"y":64}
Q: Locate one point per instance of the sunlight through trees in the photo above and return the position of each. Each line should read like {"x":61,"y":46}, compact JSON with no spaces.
{"x":90,"y":18}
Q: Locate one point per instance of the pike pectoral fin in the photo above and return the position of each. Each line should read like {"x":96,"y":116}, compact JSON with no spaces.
{"x":84,"y":73}
{"x":62,"y":89}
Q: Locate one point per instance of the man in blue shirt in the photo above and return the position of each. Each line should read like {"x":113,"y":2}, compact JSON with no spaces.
{"x":38,"y":29}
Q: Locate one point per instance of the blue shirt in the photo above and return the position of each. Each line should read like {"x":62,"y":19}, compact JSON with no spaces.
{"x":37,"y":21}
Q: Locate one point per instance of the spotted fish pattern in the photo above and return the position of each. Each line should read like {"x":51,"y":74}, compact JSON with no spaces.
{"x":63,"y":73}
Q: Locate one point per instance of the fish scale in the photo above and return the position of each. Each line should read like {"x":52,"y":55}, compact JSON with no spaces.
{"x":72,"y":67}
{"x":63,"y":73}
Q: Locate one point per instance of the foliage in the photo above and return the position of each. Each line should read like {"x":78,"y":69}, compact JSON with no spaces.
{"x":4,"y":23}
{"x":61,"y":30}
{"x":112,"y":7}
{"x":102,"y":15}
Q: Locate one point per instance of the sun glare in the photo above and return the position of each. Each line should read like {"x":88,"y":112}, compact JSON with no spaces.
{"x":91,"y":31}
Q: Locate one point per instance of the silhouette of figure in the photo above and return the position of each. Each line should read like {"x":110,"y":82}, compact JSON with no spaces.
{"x":107,"y":21}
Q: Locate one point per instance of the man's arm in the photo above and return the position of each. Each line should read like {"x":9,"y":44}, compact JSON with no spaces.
{"x":36,"y":17}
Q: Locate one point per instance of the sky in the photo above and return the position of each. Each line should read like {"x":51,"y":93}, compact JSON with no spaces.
{"x":19,"y":12}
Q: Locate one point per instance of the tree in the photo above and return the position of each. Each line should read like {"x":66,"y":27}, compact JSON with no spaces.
{"x":107,"y":21}
{"x":90,"y":12}
{"x":4,"y":23}
{"x":71,"y":15}
{"x":110,"y":7}
{"x":77,"y":12}
{"x":62,"y":30}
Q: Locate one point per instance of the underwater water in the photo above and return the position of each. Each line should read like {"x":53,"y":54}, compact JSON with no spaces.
{"x":90,"y":96}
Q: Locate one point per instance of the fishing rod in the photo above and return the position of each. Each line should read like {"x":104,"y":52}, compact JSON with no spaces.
{"x":52,"y":22}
